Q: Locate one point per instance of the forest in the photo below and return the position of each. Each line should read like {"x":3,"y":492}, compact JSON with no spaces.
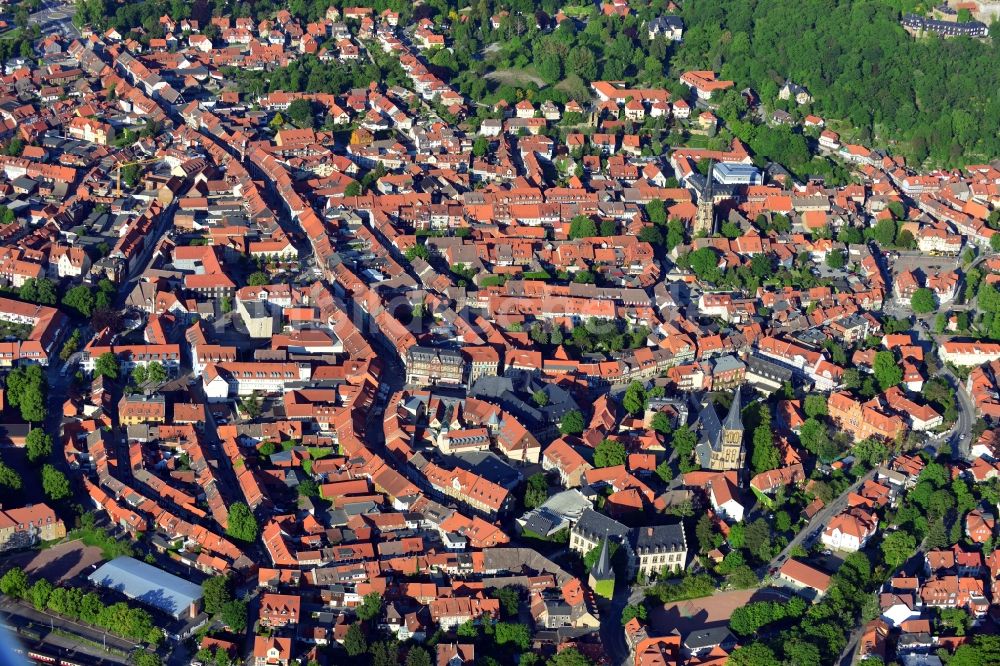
{"x":928,"y":99}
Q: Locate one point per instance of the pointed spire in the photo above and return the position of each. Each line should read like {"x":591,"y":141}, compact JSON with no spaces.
{"x":602,"y":570}
{"x":734,"y":419}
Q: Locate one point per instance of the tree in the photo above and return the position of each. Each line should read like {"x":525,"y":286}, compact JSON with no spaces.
{"x":145,"y":658}
{"x":609,"y":453}
{"x":633,"y":611}
{"x":540,"y":397}
{"x":634,"y":401}
{"x":14,"y":582}
{"x":753,"y":654}
{"x":480,"y":146}
{"x":354,"y":641}
{"x":569,"y":657}
{"x":510,"y":599}
{"x":836,"y":259}
{"x":664,"y":471}
{"x":656,"y":211}
{"x":884,"y":232}
{"x":300,"y":112}
{"x":815,"y":405}
{"x":106,"y":365}
{"x":536,"y":491}
{"x":815,"y":437}
{"x":217,"y":592}
{"x":81,"y":299}
{"x":9,"y":478}
{"x":234,"y":615}
{"x":765,"y":455}
{"x":370,"y":607}
{"x":518,"y":634}
{"x":242,"y":523}
{"x":922,"y":301}
{"x":155,"y":373}
{"x":417,"y":251}
{"x":353,"y":189}
{"x":418,"y":656}
{"x":887,"y":371}
{"x":39,"y":445}
{"x":661,"y":423}
{"x":26,"y":389}
{"x":38,"y":594}
{"x":258,"y":278}
{"x":572,"y":423}
{"x":582,"y":226}
{"x":898,"y":547}
{"x":995,"y":242}
{"x":54,"y":483}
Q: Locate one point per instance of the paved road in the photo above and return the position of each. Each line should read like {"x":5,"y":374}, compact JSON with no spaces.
{"x":611,"y":630}
{"x":55,"y":17}
{"x":818,"y":521}
{"x":960,"y":436}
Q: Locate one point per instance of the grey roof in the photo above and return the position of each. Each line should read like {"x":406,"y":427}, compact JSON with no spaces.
{"x":598,"y":526}
{"x":708,"y":638}
{"x":734,"y":420}
{"x":660,"y":538}
{"x":143,"y":582}
{"x":602,"y":569}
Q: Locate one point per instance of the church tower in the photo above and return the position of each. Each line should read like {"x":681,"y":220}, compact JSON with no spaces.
{"x":704,"y":220}
{"x":733,"y":453}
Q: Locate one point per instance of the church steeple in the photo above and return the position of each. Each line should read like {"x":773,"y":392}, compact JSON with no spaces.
{"x":734,"y":419}
{"x":704,"y":221}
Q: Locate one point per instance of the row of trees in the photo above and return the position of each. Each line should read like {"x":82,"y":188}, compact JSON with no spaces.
{"x":74,"y":603}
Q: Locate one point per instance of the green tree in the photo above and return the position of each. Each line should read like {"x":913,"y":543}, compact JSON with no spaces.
{"x":54,"y":483}
{"x":371,"y":606}
{"x":664,"y":471}
{"x":301,"y":113}
{"x":765,"y":455}
{"x":353,"y":189}
{"x":898,"y":547}
{"x":516,"y":634}
{"x":81,"y":299}
{"x":582,"y":226}
{"x":417,"y":251}
{"x":39,"y":445}
{"x":836,"y":259}
{"x":633,"y":611}
{"x":887,"y":371}
{"x":418,"y":656}
{"x":26,"y":389}
{"x":257,"y":279}
{"x":536,"y":491}
{"x":540,"y":397}
{"x":480,"y":146}
{"x":217,"y":592}
{"x":354,"y":641}
{"x":155,"y":373}
{"x":242,"y":523}
{"x":815,"y":405}
{"x":572,"y":423}
{"x":753,"y":654}
{"x":145,"y":658}
{"x":106,"y":365}
{"x":38,"y":594}
{"x":923,"y":301}
{"x":234,"y":615}
{"x":9,"y":478}
{"x":661,"y":423}
{"x":609,"y":453}
{"x":14,"y":582}
{"x":634,"y":401}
